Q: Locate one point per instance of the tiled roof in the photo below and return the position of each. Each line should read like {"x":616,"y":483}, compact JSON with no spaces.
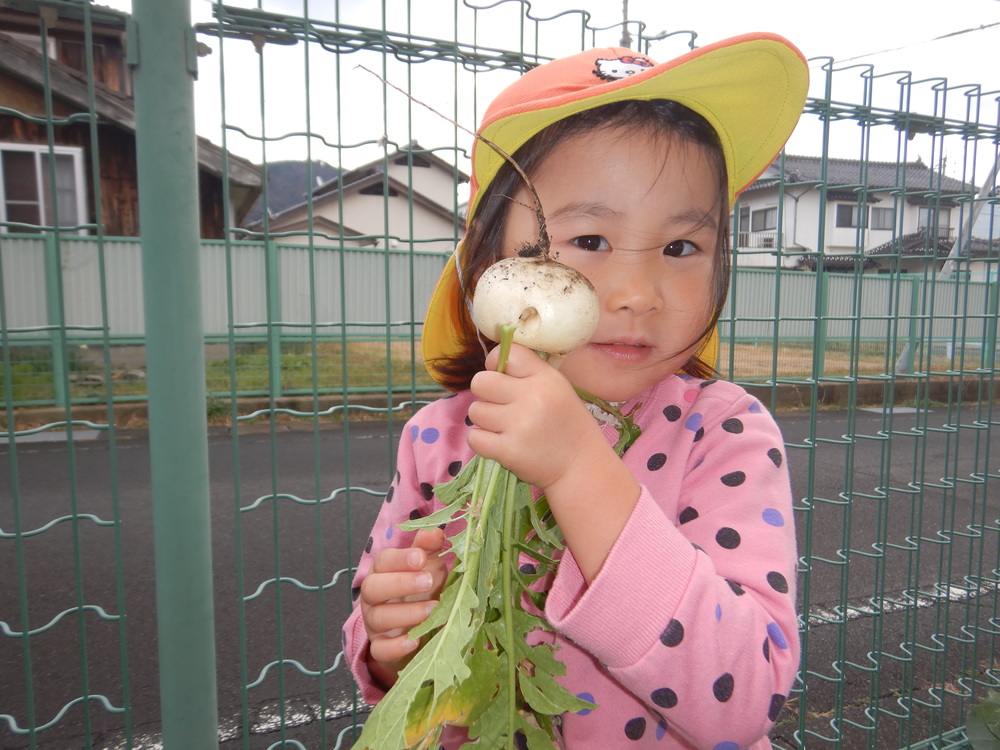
{"x":847,"y":173}
{"x":918,"y":243}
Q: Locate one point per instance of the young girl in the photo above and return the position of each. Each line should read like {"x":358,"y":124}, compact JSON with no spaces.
{"x":674,"y":602}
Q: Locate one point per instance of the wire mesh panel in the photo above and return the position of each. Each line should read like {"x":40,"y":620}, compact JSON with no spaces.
{"x":863,"y":311}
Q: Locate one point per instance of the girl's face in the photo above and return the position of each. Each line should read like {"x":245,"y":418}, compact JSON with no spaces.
{"x":638,"y":215}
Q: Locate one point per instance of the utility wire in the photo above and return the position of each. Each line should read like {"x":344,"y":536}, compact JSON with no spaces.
{"x":926,"y":41}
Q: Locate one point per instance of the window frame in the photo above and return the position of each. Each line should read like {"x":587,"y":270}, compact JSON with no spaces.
{"x":45,"y":192}
{"x":769,"y":219}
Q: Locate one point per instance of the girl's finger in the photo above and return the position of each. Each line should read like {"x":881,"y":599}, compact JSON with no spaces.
{"x":380,"y":588}
{"x":389,"y":650}
{"x":383,"y":619}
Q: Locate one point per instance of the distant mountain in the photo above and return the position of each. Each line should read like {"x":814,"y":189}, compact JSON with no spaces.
{"x":288,"y":185}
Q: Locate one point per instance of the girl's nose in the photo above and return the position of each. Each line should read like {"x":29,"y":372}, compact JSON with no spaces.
{"x":634,"y":286}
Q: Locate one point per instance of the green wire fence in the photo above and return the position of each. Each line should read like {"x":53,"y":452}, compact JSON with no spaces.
{"x":200,"y":419}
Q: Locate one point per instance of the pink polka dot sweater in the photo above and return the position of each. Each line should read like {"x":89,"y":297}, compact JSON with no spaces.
{"x":687,"y":637}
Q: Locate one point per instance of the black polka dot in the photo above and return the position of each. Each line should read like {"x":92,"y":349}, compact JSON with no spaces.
{"x":454,"y":467}
{"x":777,"y":582}
{"x":369,"y":543}
{"x":427,"y":490}
{"x":355,"y":593}
{"x":635,"y":728}
{"x":415,"y":514}
{"x":734,"y":479}
{"x":737,"y":589}
{"x":699,"y":434}
{"x":468,"y":421}
{"x":723,"y":688}
{"x":528,"y":569}
{"x":673,"y":634}
{"x":775,"y":455}
{"x":767,"y":649}
{"x":672,"y":413}
{"x":733,"y":425}
{"x":656,"y":461}
{"x":688,"y":514}
{"x":664,"y":697}
{"x":728,"y":538}
{"x":777,"y":703}
{"x":708,"y":383}
{"x":389,"y":493}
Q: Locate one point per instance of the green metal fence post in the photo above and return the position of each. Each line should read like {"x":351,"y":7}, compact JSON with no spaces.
{"x":57,"y":319}
{"x":273,"y":284}
{"x":164,"y":59}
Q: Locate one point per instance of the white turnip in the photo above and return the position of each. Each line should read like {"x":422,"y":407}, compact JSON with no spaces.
{"x":553,"y":307}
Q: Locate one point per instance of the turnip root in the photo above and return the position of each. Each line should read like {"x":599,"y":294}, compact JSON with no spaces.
{"x":553,"y":307}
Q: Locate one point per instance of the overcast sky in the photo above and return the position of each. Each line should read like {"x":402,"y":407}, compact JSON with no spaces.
{"x":944,"y":49}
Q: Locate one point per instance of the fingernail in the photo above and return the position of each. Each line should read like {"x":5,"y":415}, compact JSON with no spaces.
{"x":430,"y":608}
{"x":414,"y":558}
{"x":410,"y":644}
{"x":424,"y":581}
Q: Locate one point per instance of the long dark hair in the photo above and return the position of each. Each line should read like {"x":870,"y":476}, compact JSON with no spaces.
{"x":482,"y":245}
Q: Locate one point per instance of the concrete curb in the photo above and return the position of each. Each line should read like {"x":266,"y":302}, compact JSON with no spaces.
{"x":835,"y":393}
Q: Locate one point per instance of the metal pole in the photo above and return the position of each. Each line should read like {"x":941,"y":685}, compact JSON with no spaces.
{"x":162,"y":50}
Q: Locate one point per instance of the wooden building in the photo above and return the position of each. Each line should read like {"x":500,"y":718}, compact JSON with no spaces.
{"x":45,"y":106}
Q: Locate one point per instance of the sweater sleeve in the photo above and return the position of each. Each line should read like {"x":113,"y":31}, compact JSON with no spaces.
{"x":694,"y":609}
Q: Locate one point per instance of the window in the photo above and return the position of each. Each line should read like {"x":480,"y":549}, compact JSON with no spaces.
{"x":850,"y":215}
{"x":27,"y":195}
{"x":883,"y":218}
{"x":744,"y":225}
{"x":941,"y":217}
{"x":764,"y":219}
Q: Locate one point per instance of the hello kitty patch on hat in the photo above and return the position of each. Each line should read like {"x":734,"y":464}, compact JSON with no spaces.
{"x":616,"y":68}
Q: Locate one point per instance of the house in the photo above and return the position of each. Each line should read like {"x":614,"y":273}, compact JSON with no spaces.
{"x":27,"y":29}
{"x":408,"y":196}
{"x":882,"y":216}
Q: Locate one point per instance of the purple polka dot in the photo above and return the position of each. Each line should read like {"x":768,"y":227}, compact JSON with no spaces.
{"x":430,"y":435}
{"x":776,"y":635}
{"x":718,"y":613}
{"x":389,"y":532}
{"x":693,"y":422}
{"x":414,"y":432}
{"x":661,"y":729}
{"x":773,"y":517}
{"x":586,"y":697}
{"x":755,"y":408}
{"x":726,"y":745}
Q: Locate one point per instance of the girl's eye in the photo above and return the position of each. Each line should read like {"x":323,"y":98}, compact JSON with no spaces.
{"x":592,"y":242}
{"x":679,"y":248}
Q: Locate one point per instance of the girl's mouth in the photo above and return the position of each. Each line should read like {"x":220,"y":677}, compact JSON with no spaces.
{"x":626,"y":351}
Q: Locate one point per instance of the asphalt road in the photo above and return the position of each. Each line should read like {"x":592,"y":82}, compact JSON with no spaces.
{"x":871,"y":521}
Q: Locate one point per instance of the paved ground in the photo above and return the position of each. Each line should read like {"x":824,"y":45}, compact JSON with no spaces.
{"x":897,"y":540}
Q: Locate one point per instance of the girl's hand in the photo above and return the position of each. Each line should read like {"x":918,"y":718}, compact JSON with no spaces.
{"x":532,"y":421}
{"x":398,"y":594}
{"x":529,"y":418}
